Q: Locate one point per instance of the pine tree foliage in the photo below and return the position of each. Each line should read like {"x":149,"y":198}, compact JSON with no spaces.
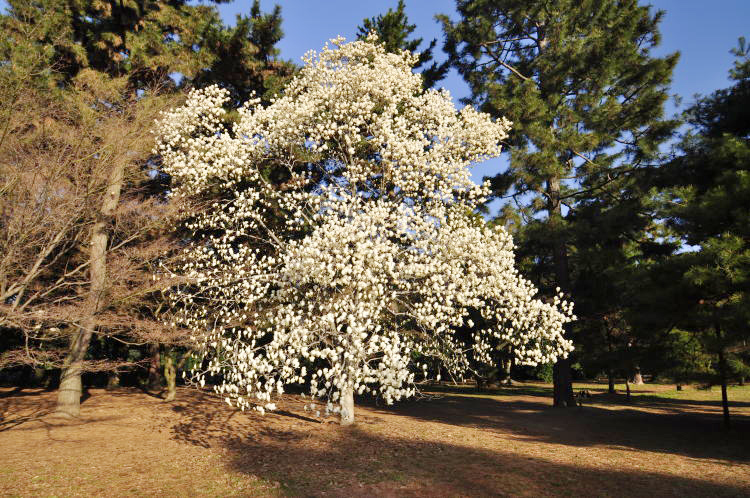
{"x":151,"y":42}
{"x":393,"y":30}
{"x":585,"y":94}
{"x":710,"y":209}
{"x":245,"y":58}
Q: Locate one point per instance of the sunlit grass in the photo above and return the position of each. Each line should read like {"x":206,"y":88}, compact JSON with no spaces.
{"x":643,"y":392}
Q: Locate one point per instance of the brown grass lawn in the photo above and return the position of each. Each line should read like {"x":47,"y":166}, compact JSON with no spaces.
{"x":507,"y":443}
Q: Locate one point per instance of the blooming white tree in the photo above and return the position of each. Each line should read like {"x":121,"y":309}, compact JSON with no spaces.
{"x":341,"y":251}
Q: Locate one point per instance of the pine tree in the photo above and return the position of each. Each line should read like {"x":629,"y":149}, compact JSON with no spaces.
{"x":153,"y":42}
{"x":245,"y":57}
{"x":584,"y":93}
{"x":394,"y":30}
{"x":607,"y":231}
{"x":710,"y":209}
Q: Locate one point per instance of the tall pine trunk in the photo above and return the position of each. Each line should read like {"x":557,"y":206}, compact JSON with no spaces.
{"x":113,"y":381}
{"x":69,"y":394}
{"x":724,"y":397}
{"x":610,"y":359}
{"x":561,"y":372}
{"x":742,"y":375}
{"x":347,"y":406}
{"x":723,"y":374}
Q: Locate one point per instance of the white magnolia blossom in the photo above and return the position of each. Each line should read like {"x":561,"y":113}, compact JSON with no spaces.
{"x":341,"y":252}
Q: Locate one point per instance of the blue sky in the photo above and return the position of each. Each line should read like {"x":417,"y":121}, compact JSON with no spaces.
{"x":702,"y":31}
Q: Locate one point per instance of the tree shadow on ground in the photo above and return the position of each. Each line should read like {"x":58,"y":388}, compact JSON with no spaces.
{"x":679,"y":431}
{"x":360,"y":460}
{"x":21,"y":406}
{"x":516,"y":390}
{"x":654,"y":400}
{"x":34,"y":404}
{"x":312,"y":459}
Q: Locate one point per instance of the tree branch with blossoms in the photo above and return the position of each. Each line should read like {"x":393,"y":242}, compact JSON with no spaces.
{"x":342,"y":253}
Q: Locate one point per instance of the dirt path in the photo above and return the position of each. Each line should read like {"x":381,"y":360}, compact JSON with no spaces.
{"x":129,"y":443}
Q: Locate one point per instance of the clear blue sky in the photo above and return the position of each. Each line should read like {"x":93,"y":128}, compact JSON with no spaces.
{"x":702,"y":31}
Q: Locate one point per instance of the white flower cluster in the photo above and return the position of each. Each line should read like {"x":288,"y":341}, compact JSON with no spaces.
{"x":340,"y":251}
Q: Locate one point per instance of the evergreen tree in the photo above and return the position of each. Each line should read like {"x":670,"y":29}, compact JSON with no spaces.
{"x":607,"y":230}
{"x":394,"y":30}
{"x":245,"y":57}
{"x":586,"y":97}
{"x":154,"y":41}
{"x":710,"y":209}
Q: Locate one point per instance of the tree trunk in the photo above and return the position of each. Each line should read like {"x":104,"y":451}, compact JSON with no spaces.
{"x":563,"y":384}
{"x":722,"y":371}
{"x":723,"y":374}
{"x":562,"y":377}
{"x":347,"y":406}
{"x":113,"y":381}
{"x":742,"y":376}
{"x":637,"y":377}
{"x":153,"y":383}
{"x":481,"y":383}
{"x":610,"y":359}
{"x":49,"y":380}
{"x":69,"y":394}
{"x":507,"y":368}
{"x":170,"y":374}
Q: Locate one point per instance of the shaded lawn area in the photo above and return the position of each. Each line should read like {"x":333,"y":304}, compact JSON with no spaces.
{"x":507,"y":442}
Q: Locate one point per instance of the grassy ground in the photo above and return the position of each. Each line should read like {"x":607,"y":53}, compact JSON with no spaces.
{"x":458,"y":442}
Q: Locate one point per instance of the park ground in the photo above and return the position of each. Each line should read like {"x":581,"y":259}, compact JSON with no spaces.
{"x":508,"y":442}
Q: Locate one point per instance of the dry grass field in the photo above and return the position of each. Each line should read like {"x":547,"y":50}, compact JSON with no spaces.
{"x":507,"y":442}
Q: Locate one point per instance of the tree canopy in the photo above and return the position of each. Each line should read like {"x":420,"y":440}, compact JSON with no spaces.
{"x":375,"y":258}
